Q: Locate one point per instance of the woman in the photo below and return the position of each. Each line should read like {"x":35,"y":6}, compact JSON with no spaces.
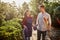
{"x":27,"y":24}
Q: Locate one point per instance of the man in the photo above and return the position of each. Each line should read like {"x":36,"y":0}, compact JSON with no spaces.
{"x":43,"y":22}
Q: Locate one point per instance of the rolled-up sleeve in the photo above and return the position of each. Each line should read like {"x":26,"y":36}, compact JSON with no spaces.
{"x":49,"y":20}
{"x":37,"y":20}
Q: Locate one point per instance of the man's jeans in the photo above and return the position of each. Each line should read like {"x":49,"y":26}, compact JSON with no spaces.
{"x":39,"y":34}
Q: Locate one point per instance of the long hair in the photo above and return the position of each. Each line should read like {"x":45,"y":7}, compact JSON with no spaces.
{"x":25,"y":13}
{"x":25,"y":17}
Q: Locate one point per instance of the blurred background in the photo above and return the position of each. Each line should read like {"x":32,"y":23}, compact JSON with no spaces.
{"x":12,"y":13}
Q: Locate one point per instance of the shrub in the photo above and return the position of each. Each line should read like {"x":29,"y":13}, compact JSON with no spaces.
{"x":55,"y":17}
{"x":11,"y":30}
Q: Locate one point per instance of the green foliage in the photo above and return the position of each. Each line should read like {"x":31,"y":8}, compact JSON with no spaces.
{"x":22,"y":9}
{"x":34,"y":6}
{"x":11,"y":30}
{"x":57,"y":10}
{"x":50,"y":7}
{"x":56,"y":17}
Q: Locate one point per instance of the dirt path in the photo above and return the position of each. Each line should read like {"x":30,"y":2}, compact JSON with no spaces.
{"x":34,"y":36}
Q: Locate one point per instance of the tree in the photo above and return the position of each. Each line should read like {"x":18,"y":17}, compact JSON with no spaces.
{"x":34,"y":5}
{"x":2,"y":11}
{"x":25,"y":6}
{"x":10,"y":28}
{"x":56,"y":18}
{"x":11,"y":11}
{"x":22,"y":9}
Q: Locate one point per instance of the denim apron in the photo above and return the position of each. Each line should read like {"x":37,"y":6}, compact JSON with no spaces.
{"x":28,"y":30}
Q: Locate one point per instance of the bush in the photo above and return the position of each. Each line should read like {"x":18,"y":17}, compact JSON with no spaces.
{"x":11,"y":30}
{"x":55,"y":17}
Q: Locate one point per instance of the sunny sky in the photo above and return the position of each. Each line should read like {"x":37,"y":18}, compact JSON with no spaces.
{"x":18,"y":2}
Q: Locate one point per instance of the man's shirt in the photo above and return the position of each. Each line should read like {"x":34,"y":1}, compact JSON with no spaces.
{"x":41,"y":18}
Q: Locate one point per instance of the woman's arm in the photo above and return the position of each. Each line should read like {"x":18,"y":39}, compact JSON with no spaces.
{"x":24,"y":22}
{"x":49,"y":22}
{"x":37,"y":20}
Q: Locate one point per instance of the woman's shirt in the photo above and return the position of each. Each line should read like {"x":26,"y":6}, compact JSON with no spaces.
{"x":27,"y":22}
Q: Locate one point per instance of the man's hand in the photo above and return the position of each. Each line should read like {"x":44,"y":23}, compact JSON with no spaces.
{"x":49,"y":27}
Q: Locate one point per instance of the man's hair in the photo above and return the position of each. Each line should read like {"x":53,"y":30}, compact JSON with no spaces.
{"x":41,"y":6}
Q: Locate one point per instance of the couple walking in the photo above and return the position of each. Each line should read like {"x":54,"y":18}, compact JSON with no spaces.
{"x":43,"y":23}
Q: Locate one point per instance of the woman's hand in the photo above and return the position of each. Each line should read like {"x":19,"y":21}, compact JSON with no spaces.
{"x":25,"y":26}
{"x":33,"y":25}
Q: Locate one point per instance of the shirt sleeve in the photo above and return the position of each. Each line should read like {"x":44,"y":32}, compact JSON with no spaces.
{"x":24,"y":21}
{"x":37,"y":20}
{"x":49,"y":20}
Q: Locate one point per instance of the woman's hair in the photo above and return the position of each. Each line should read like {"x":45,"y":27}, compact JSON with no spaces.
{"x":25,"y":13}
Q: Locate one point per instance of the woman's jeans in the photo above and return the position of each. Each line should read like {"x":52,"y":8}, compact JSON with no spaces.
{"x":27,"y":38}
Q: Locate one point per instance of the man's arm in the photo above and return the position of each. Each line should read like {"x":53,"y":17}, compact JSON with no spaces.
{"x":49,"y":22}
{"x":37,"y":20}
